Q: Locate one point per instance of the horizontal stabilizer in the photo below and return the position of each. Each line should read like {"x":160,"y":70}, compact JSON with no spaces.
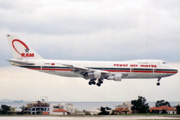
{"x":17,"y":62}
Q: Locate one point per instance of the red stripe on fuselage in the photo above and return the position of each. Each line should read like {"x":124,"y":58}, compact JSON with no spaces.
{"x":140,"y":71}
{"x":52,"y":69}
{"x":34,"y":68}
{"x":137,"y":71}
{"x":117,"y":70}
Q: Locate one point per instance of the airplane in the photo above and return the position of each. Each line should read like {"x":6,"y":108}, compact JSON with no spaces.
{"x":94,"y":71}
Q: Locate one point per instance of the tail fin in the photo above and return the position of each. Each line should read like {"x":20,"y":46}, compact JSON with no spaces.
{"x":21,"y":50}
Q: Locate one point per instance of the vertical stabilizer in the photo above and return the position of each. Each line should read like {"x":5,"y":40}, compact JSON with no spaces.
{"x":21,"y":50}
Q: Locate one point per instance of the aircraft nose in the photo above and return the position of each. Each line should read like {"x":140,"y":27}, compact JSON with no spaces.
{"x":173,"y":69}
{"x":176,"y":70}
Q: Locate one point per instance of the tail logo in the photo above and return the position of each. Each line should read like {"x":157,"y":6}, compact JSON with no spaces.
{"x":26,"y":50}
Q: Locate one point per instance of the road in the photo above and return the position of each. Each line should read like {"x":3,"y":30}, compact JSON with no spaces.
{"x":129,"y":117}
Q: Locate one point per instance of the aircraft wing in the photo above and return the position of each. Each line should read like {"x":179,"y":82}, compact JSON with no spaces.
{"x":84,"y":70}
{"x":89,"y":73}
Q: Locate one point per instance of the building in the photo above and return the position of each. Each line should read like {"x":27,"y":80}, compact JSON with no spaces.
{"x":121,"y":110}
{"x":94,"y":112}
{"x":36,"y":108}
{"x":59,"y":111}
{"x":77,"y":112}
{"x":65,"y":106}
{"x":161,"y":109}
{"x":12,"y":110}
{"x":126,"y":105}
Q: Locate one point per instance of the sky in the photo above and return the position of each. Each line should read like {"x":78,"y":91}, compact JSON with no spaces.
{"x":95,"y":30}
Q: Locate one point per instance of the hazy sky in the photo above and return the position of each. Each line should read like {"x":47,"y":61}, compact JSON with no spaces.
{"x":103,"y":30}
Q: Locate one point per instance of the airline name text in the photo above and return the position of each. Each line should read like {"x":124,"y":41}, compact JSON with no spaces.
{"x":27,"y":54}
{"x":135,"y":65}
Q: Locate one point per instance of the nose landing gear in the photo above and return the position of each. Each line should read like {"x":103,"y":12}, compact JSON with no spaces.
{"x":158,"y":83}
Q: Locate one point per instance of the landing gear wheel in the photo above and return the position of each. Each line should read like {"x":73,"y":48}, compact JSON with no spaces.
{"x":90,"y":83}
{"x":93,"y":83}
{"x":158,"y":83}
{"x":100,"y":81}
{"x":98,"y":84}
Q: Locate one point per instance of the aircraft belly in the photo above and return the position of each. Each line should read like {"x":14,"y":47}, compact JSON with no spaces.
{"x":146,"y":75}
{"x":128,"y":76}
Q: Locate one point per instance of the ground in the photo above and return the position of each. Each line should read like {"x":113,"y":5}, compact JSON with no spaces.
{"x":122,"y":117}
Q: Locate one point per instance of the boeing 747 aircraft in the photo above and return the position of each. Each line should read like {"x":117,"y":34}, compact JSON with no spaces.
{"x":94,"y":71}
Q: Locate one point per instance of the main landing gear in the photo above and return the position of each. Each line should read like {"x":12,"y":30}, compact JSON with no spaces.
{"x":92,"y":82}
{"x":158,"y":83}
{"x":100,"y":81}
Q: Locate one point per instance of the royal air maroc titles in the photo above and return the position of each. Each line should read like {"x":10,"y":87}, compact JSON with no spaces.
{"x":94,"y":71}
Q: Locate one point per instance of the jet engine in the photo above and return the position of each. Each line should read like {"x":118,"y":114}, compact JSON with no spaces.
{"x":95,"y":74}
{"x":117,"y":77}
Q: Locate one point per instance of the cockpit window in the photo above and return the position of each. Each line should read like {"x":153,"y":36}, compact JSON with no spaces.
{"x":164,"y":62}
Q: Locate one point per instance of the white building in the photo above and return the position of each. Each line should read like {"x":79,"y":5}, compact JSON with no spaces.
{"x":127,"y":105}
{"x":59,"y":112}
{"x":95,"y":111}
{"x":65,"y":106}
{"x":36,"y":108}
{"x":168,"y":109}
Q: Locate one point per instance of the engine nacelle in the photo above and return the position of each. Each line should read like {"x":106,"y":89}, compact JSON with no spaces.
{"x":97,"y":74}
{"x":90,"y":75}
{"x":117,"y":77}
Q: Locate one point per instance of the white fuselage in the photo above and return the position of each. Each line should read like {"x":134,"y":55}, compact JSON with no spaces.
{"x":94,"y":71}
{"x":132,"y":69}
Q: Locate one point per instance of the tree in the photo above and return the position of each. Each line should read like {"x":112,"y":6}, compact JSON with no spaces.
{"x":164,"y":111}
{"x":140,"y":105}
{"x":104,"y":111}
{"x":178,"y":109}
{"x":23,"y":109}
{"x":5,"y":109}
{"x":162,"y":103}
{"x":155,"y":111}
